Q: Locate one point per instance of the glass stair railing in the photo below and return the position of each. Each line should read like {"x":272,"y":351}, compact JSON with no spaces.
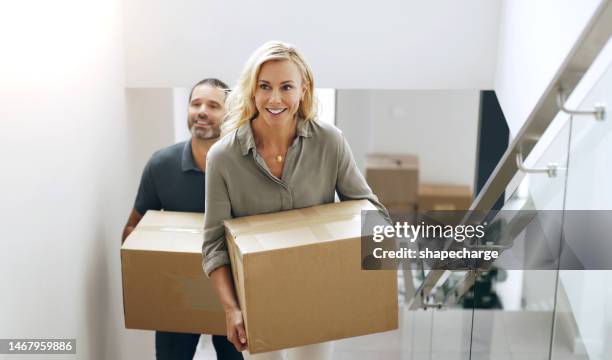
{"x":537,"y":309}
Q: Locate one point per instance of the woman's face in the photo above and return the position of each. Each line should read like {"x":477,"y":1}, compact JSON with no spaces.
{"x":279,"y":91}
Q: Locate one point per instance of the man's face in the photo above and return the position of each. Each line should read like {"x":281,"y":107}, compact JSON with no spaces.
{"x":206,"y":111}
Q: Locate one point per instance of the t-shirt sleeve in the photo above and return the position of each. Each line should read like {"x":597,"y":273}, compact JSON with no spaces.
{"x":147,"y":197}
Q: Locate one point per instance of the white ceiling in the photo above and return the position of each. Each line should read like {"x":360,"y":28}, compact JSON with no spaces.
{"x":384,"y":44}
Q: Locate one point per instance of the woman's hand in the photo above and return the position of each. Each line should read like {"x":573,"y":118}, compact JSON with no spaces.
{"x":235,"y":329}
{"x":224,"y":286}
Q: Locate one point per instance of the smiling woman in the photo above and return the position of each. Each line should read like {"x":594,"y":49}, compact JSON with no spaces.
{"x":295,"y":77}
{"x":277,"y":98}
{"x":274,"y":156}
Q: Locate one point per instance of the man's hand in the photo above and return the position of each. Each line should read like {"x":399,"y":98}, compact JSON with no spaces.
{"x":235,"y":329}
{"x":133,"y":220}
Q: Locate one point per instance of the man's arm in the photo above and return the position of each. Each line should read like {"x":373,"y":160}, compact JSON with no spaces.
{"x":133,"y":220}
{"x":146,"y":199}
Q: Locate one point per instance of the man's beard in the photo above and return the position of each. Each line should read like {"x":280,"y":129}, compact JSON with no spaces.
{"x":205,"y":134}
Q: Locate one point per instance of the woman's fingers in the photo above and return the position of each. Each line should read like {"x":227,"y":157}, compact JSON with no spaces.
{"x":242,"y":335}
{"x":235,"y":330}
{"x":232,"y":335}
{"x":233,"y":338}
{"x":239,"y":339}
{"x":237,"y":343}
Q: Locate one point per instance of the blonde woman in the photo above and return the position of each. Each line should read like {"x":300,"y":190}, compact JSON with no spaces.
{"x":274,"y":156}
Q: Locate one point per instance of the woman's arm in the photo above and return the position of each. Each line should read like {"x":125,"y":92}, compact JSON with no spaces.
{"x":224,"y":286}
{"x":351,"y":185}
{"x":214,"y":250}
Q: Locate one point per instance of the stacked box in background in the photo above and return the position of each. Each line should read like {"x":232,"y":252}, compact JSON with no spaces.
{"x":299,"y":281}
{"x":444,"y":197}
{"x":164,"y":286}
{"x":394,"y":178}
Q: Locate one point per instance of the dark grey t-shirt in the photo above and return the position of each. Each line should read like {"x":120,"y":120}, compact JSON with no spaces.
{"x":171,"y":181}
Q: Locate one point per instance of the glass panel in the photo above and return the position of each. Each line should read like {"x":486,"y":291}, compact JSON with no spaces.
{"x":452,"y":325}
{"x":513,"y":309}
{"x":583,"y":321}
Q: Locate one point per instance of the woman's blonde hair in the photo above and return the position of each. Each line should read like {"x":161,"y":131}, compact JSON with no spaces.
{"x":241,"y":101}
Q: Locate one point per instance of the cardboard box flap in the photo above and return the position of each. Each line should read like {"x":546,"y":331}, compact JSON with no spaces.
{"x":294,"y":235}
{"x":251,"y":223}
{"x":156,"y":240}
{"x":153,"y":230}
{"x":307,"y":226}
{"x":172,"y":220}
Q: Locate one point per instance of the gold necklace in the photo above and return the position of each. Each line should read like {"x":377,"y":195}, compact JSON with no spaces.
{"x":279,"y":158}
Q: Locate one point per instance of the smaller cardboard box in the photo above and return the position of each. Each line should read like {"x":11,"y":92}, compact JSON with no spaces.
{"x":444,"y":197}
{"x":403,"y":213}
{"x":299,"y":280}
{"x":394,"y":178}
{"x":164,"y":286}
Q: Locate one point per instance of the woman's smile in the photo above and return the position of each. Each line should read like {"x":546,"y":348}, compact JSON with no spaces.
{"x":275,"y":112}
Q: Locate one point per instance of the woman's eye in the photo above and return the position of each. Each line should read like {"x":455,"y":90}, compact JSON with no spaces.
{"x":287,"y":87}
{"x":264,"y":86}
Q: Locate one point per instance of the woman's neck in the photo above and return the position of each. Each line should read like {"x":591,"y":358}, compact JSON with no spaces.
{"x":278,"y":137}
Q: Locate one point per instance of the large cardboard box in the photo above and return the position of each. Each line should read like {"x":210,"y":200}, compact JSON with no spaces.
{"x":444,"y":197}
{"x":394,"y":178}
{"x":164,"y":286}
{"x":299,"y":280}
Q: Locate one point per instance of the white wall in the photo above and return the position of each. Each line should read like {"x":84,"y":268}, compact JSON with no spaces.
{"x":66,"y":187}
{"x":438,"y":126}
{"x":150,"y":114}
{"x":353,"y":118}
{"x":180,"y":105}
{"x":441,"y":44}
{"x":535,"y":37}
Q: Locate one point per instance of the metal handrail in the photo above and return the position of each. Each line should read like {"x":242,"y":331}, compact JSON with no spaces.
{"x":550,"y":169}
{"x":591,"y":41}
{"x":599,"y":110}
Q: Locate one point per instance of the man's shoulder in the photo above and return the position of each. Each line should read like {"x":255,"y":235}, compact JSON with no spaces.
{"x":165,"y":160}
{"x":169,"y":155}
